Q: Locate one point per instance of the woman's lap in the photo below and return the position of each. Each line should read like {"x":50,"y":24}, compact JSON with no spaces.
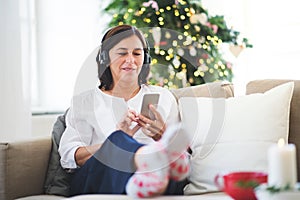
{"x":108,"y":171}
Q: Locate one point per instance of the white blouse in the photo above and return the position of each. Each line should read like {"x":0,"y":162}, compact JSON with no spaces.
{"x":94,"y":115}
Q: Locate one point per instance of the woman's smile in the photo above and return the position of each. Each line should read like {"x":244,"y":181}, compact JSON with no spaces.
{"x":128,"y":69}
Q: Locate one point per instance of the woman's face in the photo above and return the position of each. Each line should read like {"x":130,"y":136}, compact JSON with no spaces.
{"x":126,"y":60}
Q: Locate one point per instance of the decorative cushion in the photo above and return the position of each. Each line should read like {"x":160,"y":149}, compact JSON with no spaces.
{"x":263,"y":85}
{"x":233,"y":134}
{"x":57,"y":179}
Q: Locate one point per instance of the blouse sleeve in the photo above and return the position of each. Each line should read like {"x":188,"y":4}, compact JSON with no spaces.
{"x":78,"y":133}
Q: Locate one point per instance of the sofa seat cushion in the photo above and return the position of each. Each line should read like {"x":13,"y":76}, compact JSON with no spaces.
{"x":215,"y":196}
{"x":42,"y":197}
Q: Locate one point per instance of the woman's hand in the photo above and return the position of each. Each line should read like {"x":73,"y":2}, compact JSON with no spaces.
{"x":82,"y":154}
{"x":125,"y":124}
{"x":153,"y":128}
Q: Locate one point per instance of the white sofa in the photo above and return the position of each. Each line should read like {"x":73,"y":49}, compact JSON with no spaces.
{"x":24,"y":164}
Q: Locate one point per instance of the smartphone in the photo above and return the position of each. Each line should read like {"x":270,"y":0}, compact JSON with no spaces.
{"x":150,"y":98}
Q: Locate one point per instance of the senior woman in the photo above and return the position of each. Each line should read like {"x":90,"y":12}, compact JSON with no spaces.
{"x":114,"y":149}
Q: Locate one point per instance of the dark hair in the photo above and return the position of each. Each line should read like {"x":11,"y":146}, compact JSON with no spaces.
{"x":109,"y":40}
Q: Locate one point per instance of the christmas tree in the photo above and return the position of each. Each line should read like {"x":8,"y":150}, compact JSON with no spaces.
{"x":185,"y":40}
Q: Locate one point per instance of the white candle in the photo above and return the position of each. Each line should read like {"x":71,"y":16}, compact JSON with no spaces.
{"x":282,"y":165}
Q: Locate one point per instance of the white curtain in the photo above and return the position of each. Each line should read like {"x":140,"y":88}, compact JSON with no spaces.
{"x":15,"y":113}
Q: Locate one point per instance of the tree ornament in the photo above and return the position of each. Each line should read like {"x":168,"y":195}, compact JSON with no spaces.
{"x":236,"y":49}
{"x":176,"y":62}
{"x":168,"y":35}
{"x":193,"y":51}
{"x":202,"y":18}
{"x":199,"y":18}
{"x":194,"y":19}
{"x":151,"y":3}
{"x":180,"y":52}
{"x":156,"y":33}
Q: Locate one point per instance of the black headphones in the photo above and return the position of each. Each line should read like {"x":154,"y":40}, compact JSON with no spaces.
{"x":103,"y":58}
{"x":147,"y":57}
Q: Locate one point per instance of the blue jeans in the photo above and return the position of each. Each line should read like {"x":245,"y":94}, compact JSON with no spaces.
{"x":109,"y":169}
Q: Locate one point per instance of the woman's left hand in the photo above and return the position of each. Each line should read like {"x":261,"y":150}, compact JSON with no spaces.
{"x":154,"y":128}
{"x":126,"y":122}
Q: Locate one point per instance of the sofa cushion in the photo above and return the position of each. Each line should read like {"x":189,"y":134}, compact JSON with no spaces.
{"x":42,"y":197}
{"x":57,"y":179}
{"x":294,"y":127}
{"x":233,"y":134}
{"x":216,"y":90}
{"x":209,"y":196}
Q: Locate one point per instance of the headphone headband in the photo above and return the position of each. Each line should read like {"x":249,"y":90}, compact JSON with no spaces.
{"x":103,"y":56}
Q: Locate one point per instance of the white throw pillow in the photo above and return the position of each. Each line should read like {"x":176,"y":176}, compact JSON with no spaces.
{"x":233,"y":134}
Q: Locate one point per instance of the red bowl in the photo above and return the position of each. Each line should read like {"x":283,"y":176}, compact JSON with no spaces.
{"x":240,"y":185}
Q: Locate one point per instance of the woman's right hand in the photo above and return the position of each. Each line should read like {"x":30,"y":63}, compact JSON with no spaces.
{"x":125,"y":124}
{"x":154,"y":128}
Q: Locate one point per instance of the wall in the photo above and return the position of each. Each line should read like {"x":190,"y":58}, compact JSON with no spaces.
{"x":42,"y":125}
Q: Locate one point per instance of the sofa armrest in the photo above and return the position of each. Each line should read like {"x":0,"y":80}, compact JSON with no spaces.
{"x":23,"y":167}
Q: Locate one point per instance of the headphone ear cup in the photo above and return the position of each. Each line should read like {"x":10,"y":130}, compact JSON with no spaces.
{"x":103,"y":59}
{"x":147,"y":58}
